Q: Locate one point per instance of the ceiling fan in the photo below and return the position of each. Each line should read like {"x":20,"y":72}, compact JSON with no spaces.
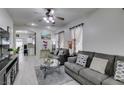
{"x":50,"y":11}
{"x":50,"y":16}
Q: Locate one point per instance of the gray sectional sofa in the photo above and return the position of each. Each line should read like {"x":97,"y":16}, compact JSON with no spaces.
{"x":87,"y":76}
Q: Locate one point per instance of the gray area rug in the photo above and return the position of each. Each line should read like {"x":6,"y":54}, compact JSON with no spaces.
{"x":53,"y":78}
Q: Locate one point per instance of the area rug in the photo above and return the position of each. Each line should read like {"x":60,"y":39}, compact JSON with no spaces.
{"x":52,"y":78}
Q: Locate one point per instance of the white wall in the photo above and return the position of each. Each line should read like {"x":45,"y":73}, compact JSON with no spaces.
{"x":6,"y":20}
{"x":104,"y":32}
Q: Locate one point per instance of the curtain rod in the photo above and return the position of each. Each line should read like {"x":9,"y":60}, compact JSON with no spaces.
{"x":60,"y":32}
{"x":76,"y":26}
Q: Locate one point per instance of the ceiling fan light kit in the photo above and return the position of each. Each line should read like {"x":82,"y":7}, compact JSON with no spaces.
{"x":48,"y":19}
{"x":50,"y":16}
{"x":52,"y":11}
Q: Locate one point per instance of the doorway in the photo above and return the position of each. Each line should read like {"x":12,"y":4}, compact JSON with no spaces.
{"x":28,"y":39}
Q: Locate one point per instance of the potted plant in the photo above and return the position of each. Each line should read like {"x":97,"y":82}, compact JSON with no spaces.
{"x":14,"y":50}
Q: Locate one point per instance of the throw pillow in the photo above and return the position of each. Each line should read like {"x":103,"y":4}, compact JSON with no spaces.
{"x":119,"y":73}
{"x":60,"y":52}
{"x":99,"y":64}
{"x":56,"y":52}
{"x":82,"y":59}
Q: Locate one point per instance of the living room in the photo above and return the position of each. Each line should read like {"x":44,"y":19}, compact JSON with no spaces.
{"x":100,"y":32}
{"x":61,"y":45}
{"x":96,"y":32}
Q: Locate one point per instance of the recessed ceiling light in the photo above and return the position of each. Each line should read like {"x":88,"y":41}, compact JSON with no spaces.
{"x":33,"y":24}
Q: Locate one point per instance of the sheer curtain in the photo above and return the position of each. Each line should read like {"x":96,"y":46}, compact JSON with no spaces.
{"x":73,"y":40}
{"x":56,"y":40}
{"x":61,"y":39}
{"x":77,"y":38}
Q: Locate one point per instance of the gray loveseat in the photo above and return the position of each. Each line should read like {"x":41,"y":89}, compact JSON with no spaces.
{"x":62,"y":57}
{"x":88,"y":76}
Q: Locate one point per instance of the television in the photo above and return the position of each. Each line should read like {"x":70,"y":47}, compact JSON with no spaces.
{"x":4,"y":44}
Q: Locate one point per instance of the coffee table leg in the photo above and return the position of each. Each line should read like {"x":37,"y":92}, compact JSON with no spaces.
{"x":45,"y":72}
{"x":44,"y":69}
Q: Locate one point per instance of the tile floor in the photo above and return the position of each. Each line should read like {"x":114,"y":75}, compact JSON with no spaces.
{"x":26,"y":75}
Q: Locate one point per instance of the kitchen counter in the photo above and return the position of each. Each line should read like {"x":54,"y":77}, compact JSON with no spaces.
{"x":8,"y":70}
{"x":5,"y":63}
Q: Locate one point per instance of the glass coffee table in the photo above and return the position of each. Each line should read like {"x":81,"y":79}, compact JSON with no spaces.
{"x":50,"y":64}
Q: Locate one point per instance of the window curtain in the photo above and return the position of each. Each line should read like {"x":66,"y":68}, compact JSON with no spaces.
{"x":77,"y":38}
{"x":56,"y":40}
{"x":73,"y":40}
{"x":61,"y":39}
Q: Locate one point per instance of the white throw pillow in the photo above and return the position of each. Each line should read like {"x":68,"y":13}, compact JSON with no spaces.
{"x":99,"y":64}
{"x":60,"y":52}
{"x":119,"y":73}
{"x":82,"y":59}
{"x":56,"y":52}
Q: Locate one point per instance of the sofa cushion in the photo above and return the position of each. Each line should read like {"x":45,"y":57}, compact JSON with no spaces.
{"x":92,"y":75}
{"x":82,"y":59}
{"x":65,"y":51}
{"x":99,"y":64}
{"x":90,"y":56}
{"x":110,"y":63}
{"x":73,"y":67}
{"x":111,"y":81}
{"x":56,"y":51}
{"x":119,"y":73}
{"x":60,"y":52}
{"x":117,"y":58}
{"x":50,"y":55}
{"x":72,"y":59}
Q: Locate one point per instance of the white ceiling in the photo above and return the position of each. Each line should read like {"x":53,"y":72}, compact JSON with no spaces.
{"x":26,"y":16}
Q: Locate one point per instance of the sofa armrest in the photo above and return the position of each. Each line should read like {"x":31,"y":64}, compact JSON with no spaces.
{"x":72,"y":59}
{"x":51,"y":52}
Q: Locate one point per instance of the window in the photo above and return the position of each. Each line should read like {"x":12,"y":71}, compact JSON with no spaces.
{"x":56,"y":40}
{"x":77,"y":38}
{"x":61,"y":39}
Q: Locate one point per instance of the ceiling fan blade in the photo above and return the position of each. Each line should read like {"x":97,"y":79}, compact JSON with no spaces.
{"x":61,"y":18}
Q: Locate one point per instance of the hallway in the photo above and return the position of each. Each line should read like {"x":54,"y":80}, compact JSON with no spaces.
{"x":26,"y":75}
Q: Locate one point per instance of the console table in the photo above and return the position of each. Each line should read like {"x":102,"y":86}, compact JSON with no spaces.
{"x":8,"y":70}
